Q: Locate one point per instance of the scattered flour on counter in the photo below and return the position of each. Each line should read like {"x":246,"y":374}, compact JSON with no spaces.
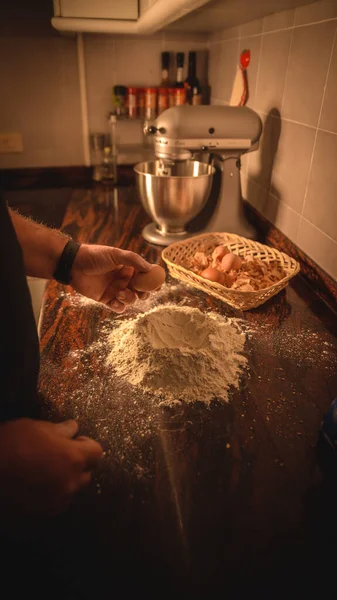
{"x":166,"y":291}
{"x":179,"y":352}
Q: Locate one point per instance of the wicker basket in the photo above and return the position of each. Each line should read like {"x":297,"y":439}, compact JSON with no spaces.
{"x":179,"y":253}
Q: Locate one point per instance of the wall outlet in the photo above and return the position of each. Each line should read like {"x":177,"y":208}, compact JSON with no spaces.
{"x":10,"y":142}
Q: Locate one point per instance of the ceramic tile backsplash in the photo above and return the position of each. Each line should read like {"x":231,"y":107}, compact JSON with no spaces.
{"x":258,"y":195}
{"x":229,"y":55}
{"x":40,"y":86}
{"x":281,"y":20}
{"x":292,"y":163}
{"x":293,"y":86}
{"x":320,"y":204}
{"x":272,"y":70}
{"x":292,"y":177}
{"x":328,"y":118}
{"x":40,"y":99}
{"x":319,"y":246}
{"x":283,"y":217}
{"x":261,"y":162}
{"x":100,"y":60}
{"x":214,"y":67}
{"x":225,"y":34}
{"x":318,"y":11}
{"x":307,"y":70}
{"x":252,"y":28}
{"x":137,"y":62}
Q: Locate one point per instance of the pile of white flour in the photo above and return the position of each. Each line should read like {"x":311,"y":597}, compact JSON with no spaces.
{"x":179,"y":353}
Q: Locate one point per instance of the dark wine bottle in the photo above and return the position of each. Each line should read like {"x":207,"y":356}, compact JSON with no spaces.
{"x":165,"y":65}
{"x":180,"y":67}
{"x":192,"y":84}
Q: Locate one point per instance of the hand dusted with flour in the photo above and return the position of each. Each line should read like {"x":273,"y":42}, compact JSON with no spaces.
{"x":179,"y":353}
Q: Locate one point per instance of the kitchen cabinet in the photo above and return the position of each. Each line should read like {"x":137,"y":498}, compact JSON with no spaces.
{"x":100,"y":9}
{"x":140,"y":17}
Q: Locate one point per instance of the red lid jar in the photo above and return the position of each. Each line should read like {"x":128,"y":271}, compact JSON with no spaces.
{"x":163,"y":100}
{"x":150,"y":103}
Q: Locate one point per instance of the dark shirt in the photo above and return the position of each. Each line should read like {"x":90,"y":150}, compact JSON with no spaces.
{"x":19,"y":348}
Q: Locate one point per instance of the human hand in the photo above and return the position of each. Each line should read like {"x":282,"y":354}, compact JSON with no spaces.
{"x":42,"y":466}
{"x":104,"y":273}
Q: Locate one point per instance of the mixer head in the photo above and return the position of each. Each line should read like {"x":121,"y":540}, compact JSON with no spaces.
{"x":181,"y":130}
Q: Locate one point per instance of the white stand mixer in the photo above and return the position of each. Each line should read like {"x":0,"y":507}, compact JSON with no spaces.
{"x":176,"y":188}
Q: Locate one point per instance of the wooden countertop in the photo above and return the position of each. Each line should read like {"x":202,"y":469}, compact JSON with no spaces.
{"x":191,"y":500}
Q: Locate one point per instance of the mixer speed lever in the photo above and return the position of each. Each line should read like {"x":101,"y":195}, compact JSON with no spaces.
{"x":152,"y":130}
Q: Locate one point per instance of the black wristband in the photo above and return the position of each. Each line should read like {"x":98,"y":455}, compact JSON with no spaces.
{"x":63,"y":270}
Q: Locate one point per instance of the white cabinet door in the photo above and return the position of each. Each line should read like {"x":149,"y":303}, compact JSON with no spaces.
{"x":99,"y":9}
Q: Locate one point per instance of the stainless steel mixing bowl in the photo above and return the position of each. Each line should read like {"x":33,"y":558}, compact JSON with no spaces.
{"x":173,"y":194}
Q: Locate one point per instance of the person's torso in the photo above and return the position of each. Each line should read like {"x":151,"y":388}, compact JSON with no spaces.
{"x":19,"y":348}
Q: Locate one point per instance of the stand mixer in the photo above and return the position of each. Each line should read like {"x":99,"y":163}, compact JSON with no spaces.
{"x":185,"y":196}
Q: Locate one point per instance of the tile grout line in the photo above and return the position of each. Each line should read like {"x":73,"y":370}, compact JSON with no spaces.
{"x":255,"y":93}
{"x":318,"y":122}
{"x":327,"y":131}
{"x":298,"y":123}
{"x":283,"y":93}
{"x":258,"y":72}
{"x":285,"y":204}
{"x":287,"y":69}
{"x":320,"y":230}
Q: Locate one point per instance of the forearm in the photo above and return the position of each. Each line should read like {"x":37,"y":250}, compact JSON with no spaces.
{"x":41,"y":246}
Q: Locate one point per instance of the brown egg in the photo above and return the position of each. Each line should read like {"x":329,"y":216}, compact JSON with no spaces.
{"x":231,"y":261}
{"x":213,"y":275}
{"x":150,"y":281}
{"x":219,"y":252}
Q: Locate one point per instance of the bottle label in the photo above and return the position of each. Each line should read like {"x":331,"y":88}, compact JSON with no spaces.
{"x":180,"y":97}
{"x":179,"y":74}
{"x":196,"y":99}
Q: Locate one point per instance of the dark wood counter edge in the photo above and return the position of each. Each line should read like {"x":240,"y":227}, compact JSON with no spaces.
{"x":322,"y":284}
{"x":49,"y":177}
{"x":81,"y":177}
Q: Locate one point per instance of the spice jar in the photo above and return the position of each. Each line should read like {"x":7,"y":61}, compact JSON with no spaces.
{"x":171,"y":97}
{"x":132,"y":102}
{"x":141,"y":102}
{"x":180,"y":96}
{"x":163,"y":100}
{"x":119,"y":100}
{"x":150,"y":103}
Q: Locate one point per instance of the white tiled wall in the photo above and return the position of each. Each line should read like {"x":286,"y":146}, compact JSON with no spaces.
{"x":292,"y":179}
{"x":40,"y":88}
{"x":131,"y":60}
{"x":293,"y":85}
{"x":40,"y":99}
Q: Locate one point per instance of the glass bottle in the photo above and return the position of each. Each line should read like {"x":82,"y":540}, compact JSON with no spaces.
{"x":192,"y":84}
{"x":165,"y":65}
{"x":180,"y":66}
{"x":108,"y":165}
{"x":196,"y":96}
{"x":97,"y":142}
